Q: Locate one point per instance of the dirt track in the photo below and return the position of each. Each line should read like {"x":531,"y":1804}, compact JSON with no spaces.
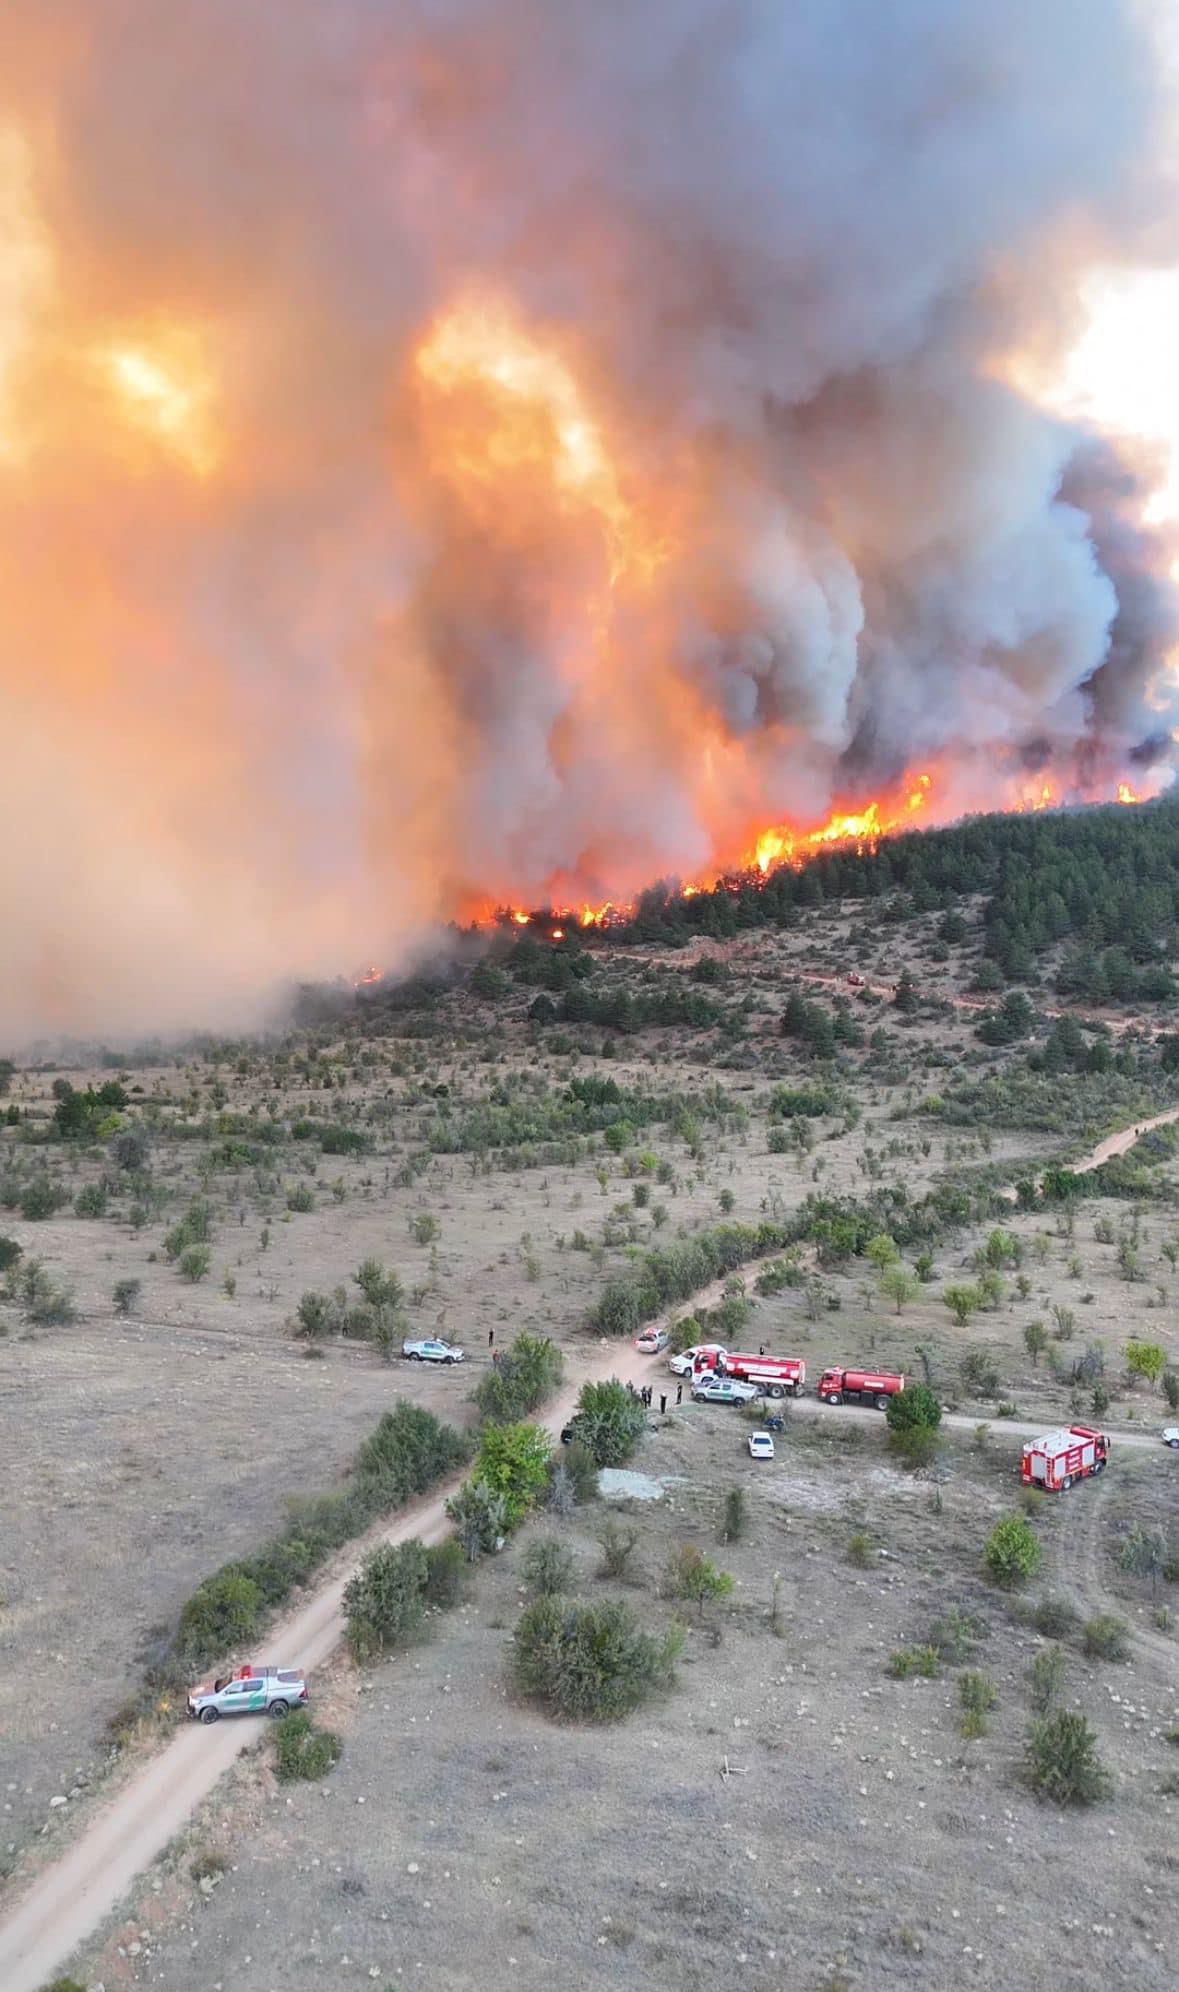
{"x":74,"y":1895}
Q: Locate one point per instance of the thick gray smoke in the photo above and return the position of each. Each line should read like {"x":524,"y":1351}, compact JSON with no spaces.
{"x":305,"y":646}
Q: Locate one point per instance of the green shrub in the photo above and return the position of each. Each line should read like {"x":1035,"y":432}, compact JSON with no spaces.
{"x":1055,"y":1617}
{"x":955,"y":1635}
{"x":527,"y":1373}
{"x":10,"y":1253}
{"x":385,"y":1601}
{"x":301,"y":1198}
{"x":91,"y":1201}
{"x":977,"y":1697}
{"x":480,"y":1518}
{"x":446,"y":1569}
{"x":193,"y":1263}
{"x":1012,"y":1553}
{"x":694,"y":1577}
{"x":609,"y":1422}
{"x":301,"y":1750}
{"x":1061,"y":1762}
{"x":40,"y":1199}
{"x":222,"y":1613}
{"x":582,"y":1468}
{"x":1105,"y":1637}
{"x":735,"y":1515}
{"x":194,"y":1228}
{"x":1046,"y":1679}
{"x":589,"y":1663}
{"x":126,"y":1296}
{"x":913,"y":1417}
{"x":859,"y":1550}
{"x":618,"y":1546}
{"x":906,"y":1661}
{"x":548,"y":1567}
{"x":424,"y":1228}
{"x":513,"y":1461}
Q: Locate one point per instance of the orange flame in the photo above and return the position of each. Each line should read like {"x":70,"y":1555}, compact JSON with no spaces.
{"x":1126,"y":793}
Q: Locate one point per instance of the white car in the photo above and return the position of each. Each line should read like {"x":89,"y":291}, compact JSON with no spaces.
{"x":761,"y":1446}
{"x":724,"y":1390}
{"x":432,"y":1351}
{"x":652,"y":1341}
{"x":1171,"y":1435}
{"x":684,"y":1363}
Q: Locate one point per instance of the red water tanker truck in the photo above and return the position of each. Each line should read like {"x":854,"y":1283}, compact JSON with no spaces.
{"x":1056,"y":1460}
{"x":853,"y":1386}
{"x":775,"y":1376}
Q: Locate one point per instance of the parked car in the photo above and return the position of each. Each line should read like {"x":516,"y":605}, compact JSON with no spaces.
{"x":723,"y":1390}
{"x":260,"y":1690}
{"x":652,"y":1341}
{"x":432,"y":1351}
{"x":761,"y":1446}
{"x":1171,"y":1435}
{"x":684,"y":1364}
{"x":856,"y":979}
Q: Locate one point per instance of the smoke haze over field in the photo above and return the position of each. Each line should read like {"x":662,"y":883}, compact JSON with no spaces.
{"x":455,"y":451}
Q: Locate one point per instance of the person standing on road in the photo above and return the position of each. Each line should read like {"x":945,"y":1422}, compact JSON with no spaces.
{"x":662,"y":1406}
{"x":491,"y":1338}
{"x":679,"y":1393}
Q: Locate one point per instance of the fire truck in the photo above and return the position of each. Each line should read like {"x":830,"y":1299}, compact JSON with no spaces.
{"x":859,"y":1387}
{"x":775,"y":1376}
{"x":1061,"y":1457}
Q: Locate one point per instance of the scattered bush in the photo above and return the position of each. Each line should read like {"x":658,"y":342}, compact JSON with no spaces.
{"x":126,"y":1296}
{"x":10,"y":1253}
{"x":955,"y":1635}
{"x":977,"y":1697}
{"x":480,"y":1518}
{"x":193,"y":1263}
{"x":694,"y":1577}
{"x":589,"y":1663}
{"x":1106,"y":1637}
{"x":1061,"y":1762}
{"x":923,"y":1661}
{"x":445,"y":1573}
{"x":618,"y":1546}
{"x":582,"y":1468}
{"x":548,"y":1567}
{"x":1046,"y":1679}
{"x":40,"y":1199}
{"x":91,"y":1201}
{"x":301,"y":1750}
{"x":1055,"y":1617}
{"x":1013,"y":1552}
{"x":221,"y":1614}
{"x":859,"y":1550}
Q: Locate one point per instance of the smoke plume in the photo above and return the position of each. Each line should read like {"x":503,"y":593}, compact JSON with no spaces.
{"x":464,"y":451}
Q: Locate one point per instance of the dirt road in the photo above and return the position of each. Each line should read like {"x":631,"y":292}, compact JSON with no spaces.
{"x":71,"y":1898}
{"x":1117,"y":1144}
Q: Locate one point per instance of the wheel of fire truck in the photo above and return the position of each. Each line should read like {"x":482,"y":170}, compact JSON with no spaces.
{"x":796,"y":1391}
{"x":277,"y":1710}
{"x":775,"y":1390}
{"x":882,"y":1403}
{"x":210,"y":1714}
{"x":1099,"y":1465}
{"x":1066,"y":1483}
{"x":833,"y":1397}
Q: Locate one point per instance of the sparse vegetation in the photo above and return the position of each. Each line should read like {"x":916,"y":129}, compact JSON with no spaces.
{"x":589,"y":1663}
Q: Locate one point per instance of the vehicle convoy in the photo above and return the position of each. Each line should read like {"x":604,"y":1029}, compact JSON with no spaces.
{"x":1056,"y":1460}
{"x":432,"y":1350}
{"x":777,"y":1376}
{"x":854,"y":1386}
{"x":260,"y":1690}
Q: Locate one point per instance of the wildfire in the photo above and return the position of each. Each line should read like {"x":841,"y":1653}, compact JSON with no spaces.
{"x":367,"y":978}
{"x":1126,"y":793}
{"x":162,"y":388}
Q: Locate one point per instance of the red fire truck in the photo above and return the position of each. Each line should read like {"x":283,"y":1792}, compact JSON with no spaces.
{"x":859,"y":1387}
{"x":777,"y":1376}
{"x":1061,"y":1457}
